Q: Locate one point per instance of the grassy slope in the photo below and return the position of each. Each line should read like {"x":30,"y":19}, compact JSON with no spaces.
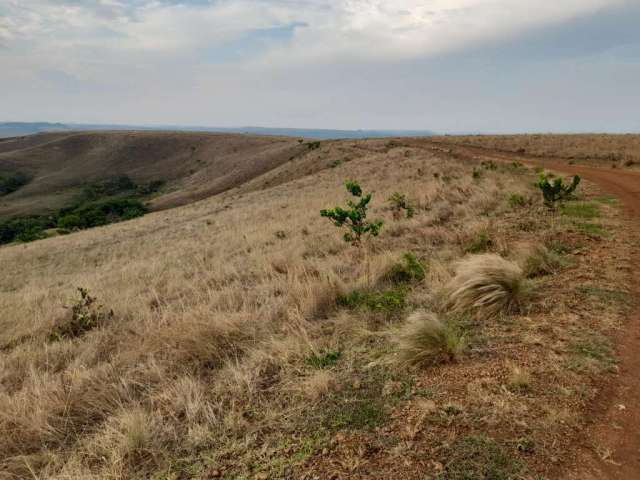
{"x":220,"y":358}
{"x":195,"y":165}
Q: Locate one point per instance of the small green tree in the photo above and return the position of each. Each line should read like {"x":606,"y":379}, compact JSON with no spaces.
{"x":557,"y":190}
{"x":400,"y":202}
{"x":354,"y":218}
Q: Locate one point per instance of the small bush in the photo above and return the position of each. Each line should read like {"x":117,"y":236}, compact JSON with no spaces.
{"x":399,"y":202}
{"x":541,"y":261}
{"x":313,"y":145}
{"x":556,"y":191}
{"x":487,"y":285}
{"x":425,"y":339}
{"x":479,"y":458}
{"x":355,"y":217}
{"x":409,"y":271}
{"x":86,"y":314}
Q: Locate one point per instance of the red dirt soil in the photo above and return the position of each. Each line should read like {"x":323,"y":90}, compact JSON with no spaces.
{"x":610,"y":447}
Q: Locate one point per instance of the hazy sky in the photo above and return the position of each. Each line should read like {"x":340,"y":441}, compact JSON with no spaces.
{"x":445,"y":65}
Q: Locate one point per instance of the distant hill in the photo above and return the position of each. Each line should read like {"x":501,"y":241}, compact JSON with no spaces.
{"x":14,"y":129}
{"x":192,"y":165}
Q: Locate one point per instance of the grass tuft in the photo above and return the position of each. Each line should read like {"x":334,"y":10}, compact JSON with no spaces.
{"x":425,"y":339}
{"x":487,"y":285}
{"x":541,"y":261}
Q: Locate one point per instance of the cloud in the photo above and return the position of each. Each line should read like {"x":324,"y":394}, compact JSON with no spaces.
{"x":318,"y":62}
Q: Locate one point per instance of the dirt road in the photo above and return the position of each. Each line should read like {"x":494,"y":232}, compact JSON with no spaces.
{"x":615,"y":426}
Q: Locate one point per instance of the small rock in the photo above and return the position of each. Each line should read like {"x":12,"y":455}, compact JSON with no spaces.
{"x":262,"y":476}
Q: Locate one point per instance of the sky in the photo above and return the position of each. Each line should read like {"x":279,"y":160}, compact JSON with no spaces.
{"x":491,"y":66}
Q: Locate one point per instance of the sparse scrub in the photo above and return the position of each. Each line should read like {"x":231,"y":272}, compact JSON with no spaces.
{"x":541,"y":261}
{"x":85,"y":315}
{"x":487,"y":285}
{"x":480,"y":243}
{"x":480,"y":458}
{"x":399,"y":203}
{"x":517,"y":200}
{"x":519,"y":380}
{"x":355,"y":217}
{"x":409,"y":271}
{"x":425,"y":339}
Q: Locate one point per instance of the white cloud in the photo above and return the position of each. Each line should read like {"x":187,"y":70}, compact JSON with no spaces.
{"x":163,"y":57}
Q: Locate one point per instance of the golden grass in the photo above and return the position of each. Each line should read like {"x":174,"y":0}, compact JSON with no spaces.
{"x":218,"y":306}
{"x":487,"y":285}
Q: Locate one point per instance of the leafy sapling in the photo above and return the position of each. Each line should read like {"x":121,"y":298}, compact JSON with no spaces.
{"x":557,"y":190}
{"x":354,"y":218}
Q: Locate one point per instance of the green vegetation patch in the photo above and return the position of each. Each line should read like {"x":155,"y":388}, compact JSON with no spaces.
{"x":101,"y":203}
{"x":586,"y":210}
{"x":480,"y":458}
{"x":591,"y":229}
{"x":11,"y":182}
{"x":410,"y":270}
{"x":388,"y":302}
{"x":325,"y":359}
{"x":592,"y":354}
{"x":606,"y":295}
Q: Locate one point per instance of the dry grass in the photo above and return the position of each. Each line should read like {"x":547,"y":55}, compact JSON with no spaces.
{"x":426,"y":339}
{"x":487,"y":285}
{"x":603,"y":149}
{"x":219,"y":306}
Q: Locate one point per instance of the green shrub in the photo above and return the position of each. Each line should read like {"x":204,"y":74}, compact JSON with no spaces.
{"x":24,"y":229}
{"x":101,"y":212}
{"x":556,"y":191}
{"x":70,"y":222}
{"x":489,"y":165}
{"x":355,"y":217}
{"x":399,"y":202}
{"x":409,"y":271}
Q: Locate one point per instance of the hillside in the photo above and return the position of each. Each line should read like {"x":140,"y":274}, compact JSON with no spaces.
{"x":240,"y":337}
{"x":192,"y":165}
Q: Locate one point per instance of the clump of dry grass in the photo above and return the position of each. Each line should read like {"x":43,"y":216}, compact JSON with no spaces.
{"x":487,"y":285}
{"x":426,"y":339}
{"x":541,"y":261}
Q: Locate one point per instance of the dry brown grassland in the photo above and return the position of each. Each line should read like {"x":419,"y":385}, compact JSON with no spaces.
{"x":615,"y":150}
{"x":235,"y":350}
